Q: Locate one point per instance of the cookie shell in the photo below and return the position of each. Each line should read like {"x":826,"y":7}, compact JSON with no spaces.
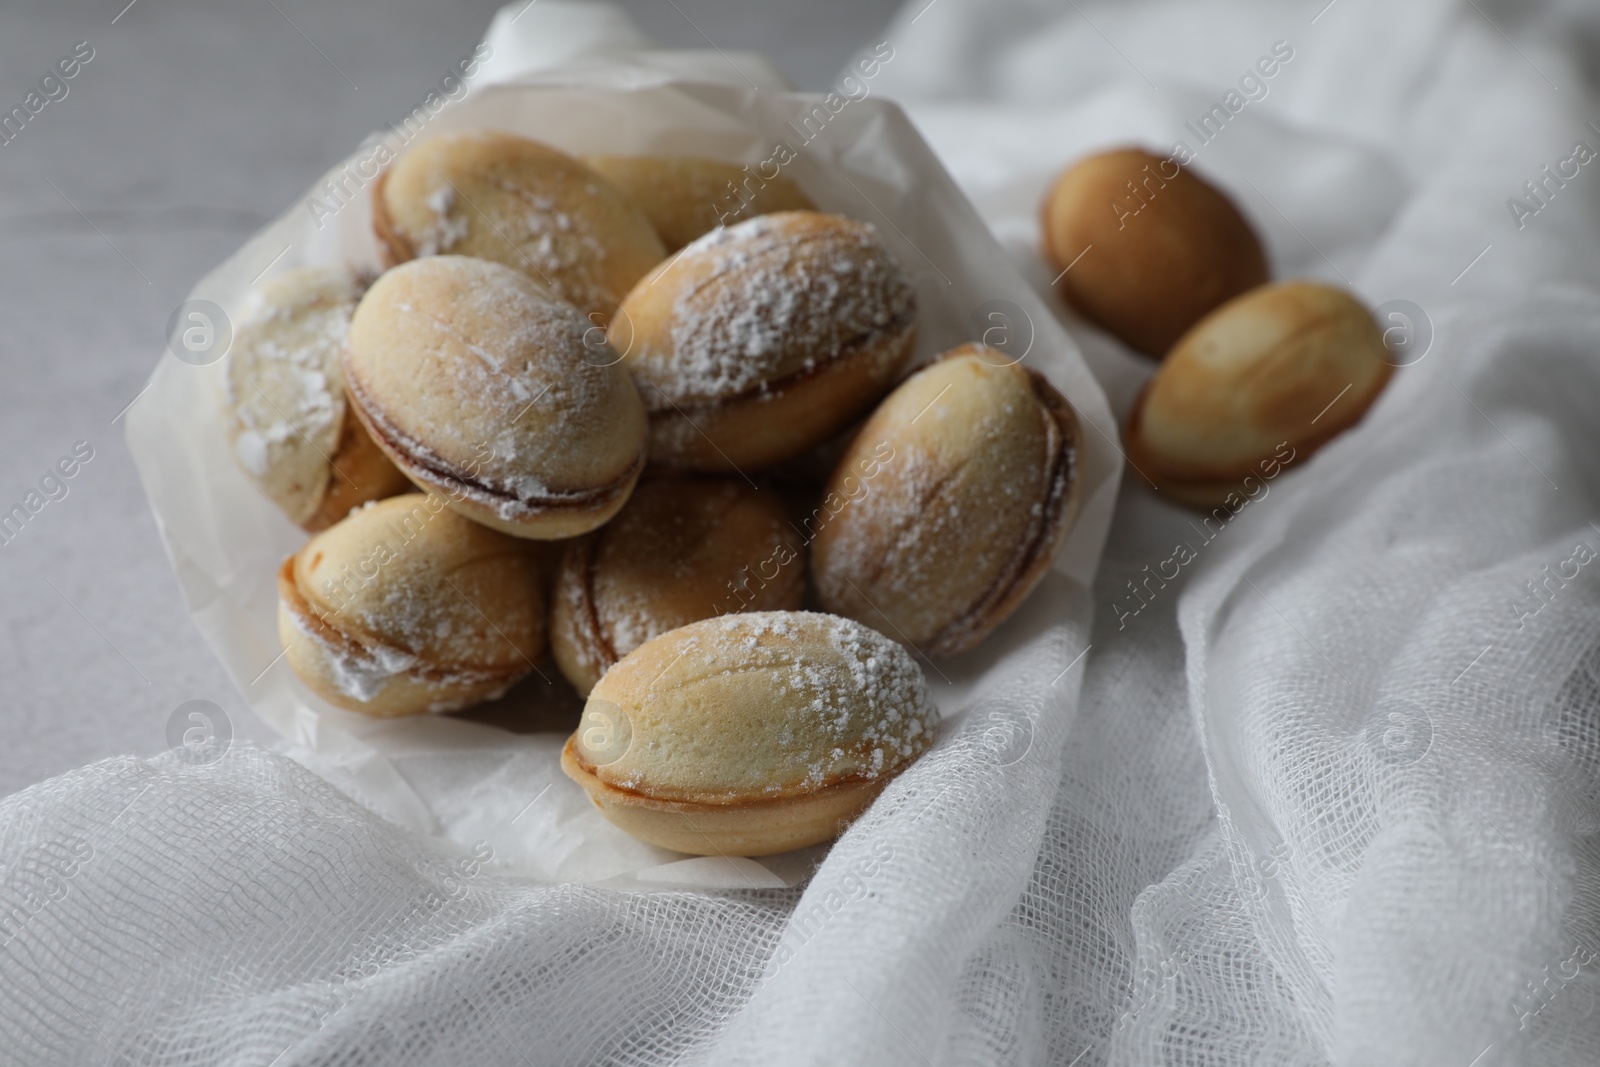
{"x":287,"y":419}
{"x":950,"y":504}
{"x":681,"y":550}
{"x":750,"y":734}
{"x":761,"y":340}
{"x":405,"y":607}
{"x":686,"y":197}
{"x":482,"y":386}
{"x":1151,"y":246}
{"x":1267,"y":378}
{"x":520,"y":203}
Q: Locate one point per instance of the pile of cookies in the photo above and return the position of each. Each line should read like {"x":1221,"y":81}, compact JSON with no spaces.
{"x":581,"y":413}
{"x":1254,"y":376}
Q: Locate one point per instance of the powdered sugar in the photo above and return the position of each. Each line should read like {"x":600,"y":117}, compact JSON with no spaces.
{"x":782,"y":296}
{"x":362,"y":675}
{"x":831,"y":700}
{"x":283,"y":384}
{"x":559,"y":249}
{"x":525,"y":229}
{"x":446,"y":228}
{"x":289,"y":359}
{"x":511,"y":364}
{"x":361,"y":671}
{"x":358,"y":671}
{"x":972,"y":504}
{"x":253,"y":452}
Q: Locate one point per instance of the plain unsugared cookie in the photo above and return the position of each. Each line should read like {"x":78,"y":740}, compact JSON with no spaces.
{"x":681,"y":550}
{"x":762,"y":339}
{"x":1260,"y":383}
{"x":482,"y":386}
{"x":287,"y":419}
{"x":405,"y":608}
{"x":520,"y":203}
{"x":1145,"y":247}
{"x":950,"y":504}
{"x":750,"y":734}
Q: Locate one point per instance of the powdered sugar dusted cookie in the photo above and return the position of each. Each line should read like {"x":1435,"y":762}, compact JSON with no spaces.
{"x":482,"y":386}
{"x":750,"y":734}
{"x":521,"y":203}
{"x":760,"y":340}
{"x":287,"y":420}
{"x":949,"y":505}
{"x":405,"y":608}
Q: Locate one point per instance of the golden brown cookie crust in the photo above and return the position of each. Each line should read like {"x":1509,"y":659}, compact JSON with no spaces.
{"x":682,"y":550}
{"x":520,"y":203}
{"x":1257,"y":385}
{"x":1160,"y":246}
{"x":481,"y":385}
{"x":919,"y":541}
{"x":759,"y":341}
{"x":687,"y":197}
{"x":750,"y":733}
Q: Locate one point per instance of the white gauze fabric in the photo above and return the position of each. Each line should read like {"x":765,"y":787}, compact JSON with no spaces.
{"x":1329,"y":794}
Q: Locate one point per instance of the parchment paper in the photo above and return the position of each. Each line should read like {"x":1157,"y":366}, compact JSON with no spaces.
{"x":476,"y":783}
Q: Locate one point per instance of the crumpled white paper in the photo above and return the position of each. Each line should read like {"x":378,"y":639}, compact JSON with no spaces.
{"x":852,"y":153}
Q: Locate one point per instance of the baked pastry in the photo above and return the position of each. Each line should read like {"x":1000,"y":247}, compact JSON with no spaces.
{"x":1159,"y":246}
{"x":950,"y":504}
{"x":685,"y":197}
{"x":762,"y":339}
{"x":287,"y":420}
{"x":517,"y":202}
{"x":405,"y":607}
{"x":482,"y":386}
{"x":681,"y":550}
{"x":1260,"y":383}
{"x":750,"y":734}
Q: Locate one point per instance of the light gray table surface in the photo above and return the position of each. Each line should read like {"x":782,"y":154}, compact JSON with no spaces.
{"x":192,"y":125}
